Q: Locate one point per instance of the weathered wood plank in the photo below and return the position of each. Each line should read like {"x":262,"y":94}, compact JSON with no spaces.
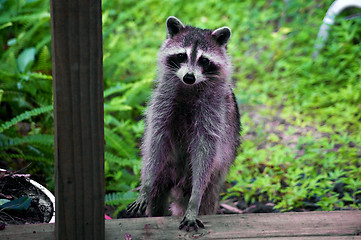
{"x":311,"y":224}
{"x":310,"y":238}
{"x":78,"y":118}
{"x":294,"y":226}
{"x":28,"y":232}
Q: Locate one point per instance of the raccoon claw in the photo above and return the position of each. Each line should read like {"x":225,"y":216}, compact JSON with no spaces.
{"x":195,"y":223}
{"x":137,"y":208}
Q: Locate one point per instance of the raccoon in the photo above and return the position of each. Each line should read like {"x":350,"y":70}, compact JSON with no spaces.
{"x":192,"y":126}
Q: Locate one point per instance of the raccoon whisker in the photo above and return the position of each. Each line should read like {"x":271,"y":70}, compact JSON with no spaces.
{"x":172,"y":77}
{"x":211,"y":84}
{"x":206,"y":84}
{"x":176,"y":64}
{"x":173,"y":68}
{"x":211,"y":74}
{"x":212,"y":79}
{"x":173,"y":65}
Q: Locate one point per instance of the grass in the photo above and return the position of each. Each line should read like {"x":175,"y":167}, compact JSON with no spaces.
{"x":301,"y":117}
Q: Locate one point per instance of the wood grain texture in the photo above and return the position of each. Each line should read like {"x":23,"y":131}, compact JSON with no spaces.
{"x":312,"y":225}
{"x":78,"y":118}
{"x":293,"y":226}
{"x":28,"y":232}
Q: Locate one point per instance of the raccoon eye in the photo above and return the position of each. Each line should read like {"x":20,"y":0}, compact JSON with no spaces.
{"x":203,"y":61}
{"x":181,"y":56}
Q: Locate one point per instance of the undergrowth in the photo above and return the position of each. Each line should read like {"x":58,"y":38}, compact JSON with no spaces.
{"x":301,"y":146}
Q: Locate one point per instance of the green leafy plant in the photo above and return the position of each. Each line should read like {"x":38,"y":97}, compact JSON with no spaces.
{"x":24,"y":116}
{"x":19,"y":204}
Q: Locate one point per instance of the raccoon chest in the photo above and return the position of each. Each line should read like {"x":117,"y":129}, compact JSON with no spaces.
{"x":182,"y":123}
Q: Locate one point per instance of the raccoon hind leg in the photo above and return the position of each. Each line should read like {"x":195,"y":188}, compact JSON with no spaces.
{"x":180,"y":198}
{"x":209,"y":202}
{"x":159,"y":201}
{"x":159,"y":204}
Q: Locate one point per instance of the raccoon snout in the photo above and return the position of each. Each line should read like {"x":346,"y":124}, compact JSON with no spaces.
{"x":189,"y":78}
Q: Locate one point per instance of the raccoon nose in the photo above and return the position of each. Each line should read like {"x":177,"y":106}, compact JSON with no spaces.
{"x":189,"y":78}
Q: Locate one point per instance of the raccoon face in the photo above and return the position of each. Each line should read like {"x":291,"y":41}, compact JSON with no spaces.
{"x":195,"y":55}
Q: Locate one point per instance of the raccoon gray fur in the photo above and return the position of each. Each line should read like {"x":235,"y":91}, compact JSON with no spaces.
{"x":192,"y":126}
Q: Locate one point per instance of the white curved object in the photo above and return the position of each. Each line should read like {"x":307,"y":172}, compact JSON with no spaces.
{"x":50,"y":196}
{"x":329,"y":19}
{"x":46,"y":192}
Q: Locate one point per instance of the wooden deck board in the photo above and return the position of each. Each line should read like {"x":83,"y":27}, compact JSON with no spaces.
{"x":294,"y":226}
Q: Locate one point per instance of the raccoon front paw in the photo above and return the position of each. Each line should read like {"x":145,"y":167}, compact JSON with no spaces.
{"x":191,"y":222}
{"x":137,"y":208}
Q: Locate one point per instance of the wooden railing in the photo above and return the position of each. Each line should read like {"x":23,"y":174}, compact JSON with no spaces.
{"x":78,"y":118}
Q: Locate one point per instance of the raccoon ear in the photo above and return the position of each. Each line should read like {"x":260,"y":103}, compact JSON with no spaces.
{"x":222,"y":35}
{"x":174,"y":25}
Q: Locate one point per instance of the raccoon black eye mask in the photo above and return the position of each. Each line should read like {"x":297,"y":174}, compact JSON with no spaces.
{"x":192,"y":126}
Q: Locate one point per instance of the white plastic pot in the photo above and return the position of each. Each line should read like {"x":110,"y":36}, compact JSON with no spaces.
{"x":46,"y":192}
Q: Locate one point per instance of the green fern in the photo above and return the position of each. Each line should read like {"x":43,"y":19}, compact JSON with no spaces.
{"x":116,"y":142}
{"x":28,"y":157}
{"x":24,"y":116}
{"x":134,"y":163}
{"x":32,"y":25}
{"x":112,"y":199}
{"x":44,"y":59}
{"x":116,"y":89}
{"x":42,"y":139}
{"x":35,"y":76}
{"x":117,"y":198}
{"x":26,"y":18}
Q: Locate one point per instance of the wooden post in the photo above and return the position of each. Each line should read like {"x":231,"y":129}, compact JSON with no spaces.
{"x":78,"y":118}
